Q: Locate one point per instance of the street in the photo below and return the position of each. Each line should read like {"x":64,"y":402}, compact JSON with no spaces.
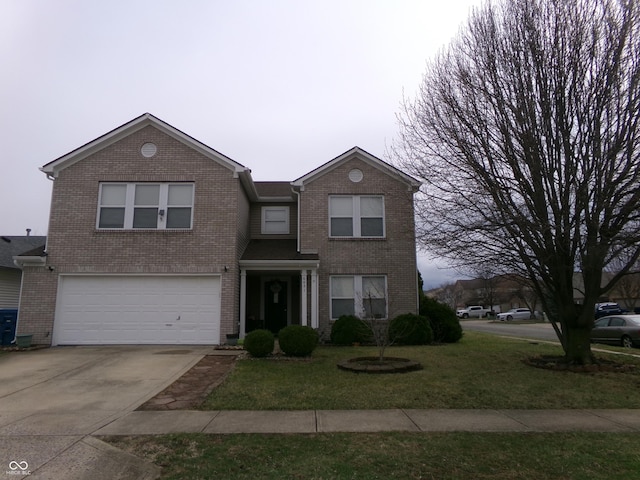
{"x":534,"y":331}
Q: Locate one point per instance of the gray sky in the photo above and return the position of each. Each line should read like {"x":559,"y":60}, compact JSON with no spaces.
{"x":280,"y":86}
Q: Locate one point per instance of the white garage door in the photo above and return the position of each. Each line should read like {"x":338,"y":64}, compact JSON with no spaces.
{"x":127,"y":309}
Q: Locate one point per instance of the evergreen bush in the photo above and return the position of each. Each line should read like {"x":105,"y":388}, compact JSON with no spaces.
{"x":410,"y":329}
{"x":442,"y":319}
{"x":349,"y":329}
{"x":259,"y":343}
{"x":298,"y":340}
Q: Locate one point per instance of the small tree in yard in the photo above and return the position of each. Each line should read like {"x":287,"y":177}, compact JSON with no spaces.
{"x":526,"y":134}
{"x":374,"y":316}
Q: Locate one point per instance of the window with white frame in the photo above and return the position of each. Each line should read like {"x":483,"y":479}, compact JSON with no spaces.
{"x":356,"y":216}
{"x":275,"y":220}
{"x":362,"y":295}
{"x":145,"y":206}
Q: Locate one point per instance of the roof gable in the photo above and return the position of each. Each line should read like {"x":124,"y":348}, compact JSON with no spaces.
{"x":77,"y":155}
{"x":357,"y":152}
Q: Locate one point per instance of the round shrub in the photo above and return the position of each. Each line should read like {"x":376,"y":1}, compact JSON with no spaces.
{"x":349,"y":329}
{"x":410,"y":329}
{"x":259,"y":343}
{"x":298,"y":340}
{"x":443,"y":320}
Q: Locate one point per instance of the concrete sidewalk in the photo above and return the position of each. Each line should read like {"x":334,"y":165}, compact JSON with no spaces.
{"x":51,"y":445}
{"x":330,"y":421}
{"x":97,"y":423}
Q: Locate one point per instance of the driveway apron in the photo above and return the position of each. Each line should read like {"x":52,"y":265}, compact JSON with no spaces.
{"x":59,"y":396}
{"x":72,"y":379}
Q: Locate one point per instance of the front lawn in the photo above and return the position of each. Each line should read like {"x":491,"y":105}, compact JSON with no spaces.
{"x":480,"y":371}
{"x":478,"y":456}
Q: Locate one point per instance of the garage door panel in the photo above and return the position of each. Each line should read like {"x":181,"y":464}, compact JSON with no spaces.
{"x":138,"y":310}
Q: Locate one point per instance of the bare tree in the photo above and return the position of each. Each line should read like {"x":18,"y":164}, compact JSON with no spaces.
{"x":627,"y":290}
{"x":450,"y":294}
{"x":488,"y":291}
{"x":526,"y":134}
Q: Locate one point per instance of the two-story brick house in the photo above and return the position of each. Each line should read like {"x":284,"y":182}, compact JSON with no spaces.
{"x":155,"y":238}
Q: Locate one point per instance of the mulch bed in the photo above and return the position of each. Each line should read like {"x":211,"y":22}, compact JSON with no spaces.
{"x":374,"y":365}
{"x":558,"y":363}
{"x":191,"y":390}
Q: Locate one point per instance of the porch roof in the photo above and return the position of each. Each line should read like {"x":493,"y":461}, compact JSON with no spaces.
{"x":276,"y":253}
{"x":276,"y":250}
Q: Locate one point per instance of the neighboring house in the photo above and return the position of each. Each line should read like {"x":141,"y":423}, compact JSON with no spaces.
{"x":10,"y":273}
{"x":155,"y":238}
{"x":500,"y":292}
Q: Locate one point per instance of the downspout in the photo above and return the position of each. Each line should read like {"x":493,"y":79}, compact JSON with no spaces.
{"x":51,"y":177}
{"x":298,"y":217}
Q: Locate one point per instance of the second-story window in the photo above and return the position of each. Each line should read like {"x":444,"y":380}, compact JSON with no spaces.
{"x":275,"y":220}
{"x":145,"y":206}
{"x":356,"y":216}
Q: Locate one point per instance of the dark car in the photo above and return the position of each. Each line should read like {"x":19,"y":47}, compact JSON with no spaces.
{"x":608,"y":308}
{"x":621,"y":330}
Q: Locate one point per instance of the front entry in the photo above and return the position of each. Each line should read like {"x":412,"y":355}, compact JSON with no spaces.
{"x":275,"y":305}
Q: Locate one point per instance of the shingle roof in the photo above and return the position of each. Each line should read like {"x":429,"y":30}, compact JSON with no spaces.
{"x":10,"y":246}
{"x":275,"y":250}
{"x":274,"y":189}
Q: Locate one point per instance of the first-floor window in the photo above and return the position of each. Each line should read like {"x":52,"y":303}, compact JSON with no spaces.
{"x":364,"y":296}
{"x":145,"y":205}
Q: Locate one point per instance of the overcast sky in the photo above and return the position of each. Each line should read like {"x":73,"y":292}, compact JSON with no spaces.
{"x":280,"y":86}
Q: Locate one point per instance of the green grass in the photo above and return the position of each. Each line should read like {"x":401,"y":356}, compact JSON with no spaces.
{"x":480,"y":371}
{"x":583,"y":456}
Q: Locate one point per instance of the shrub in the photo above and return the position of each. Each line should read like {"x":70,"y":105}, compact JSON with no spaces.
{"x":349,"y":329}
{"x":442,"y":319}
{"x":410,"y":329}
{"x":298,"y":340}
{"x":259,"y":343}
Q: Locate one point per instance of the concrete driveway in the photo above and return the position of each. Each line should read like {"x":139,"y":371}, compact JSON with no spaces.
{"x":71,"y":379}
{"x":52,"y":399}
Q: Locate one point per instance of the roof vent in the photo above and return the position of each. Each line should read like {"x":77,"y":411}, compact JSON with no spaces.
{"x":356,"y":175}
{"x":148,"y":150}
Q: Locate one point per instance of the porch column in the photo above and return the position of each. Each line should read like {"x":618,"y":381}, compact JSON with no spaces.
{"x":243,"y":302}
{"x":314,"y":298}
{"x":303,"y":298}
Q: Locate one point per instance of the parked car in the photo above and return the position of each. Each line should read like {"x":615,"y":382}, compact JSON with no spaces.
{"x":473,"y":311}
{"x":607,"y":308}
{"x":621,"y":330}
{"x":515,"y":314}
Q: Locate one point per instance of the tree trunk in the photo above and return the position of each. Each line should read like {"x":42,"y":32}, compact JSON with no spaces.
{"x":578,"y":346}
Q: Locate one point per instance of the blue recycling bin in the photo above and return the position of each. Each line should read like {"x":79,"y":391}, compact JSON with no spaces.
{"x":8,"y":320}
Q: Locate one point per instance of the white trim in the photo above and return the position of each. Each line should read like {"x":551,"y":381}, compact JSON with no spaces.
{"x":314,"y":298}
{"x":54,"y":167}
{"x":243,"y":303}
{"x":298,"y":238}
{"x":303,"y":298}
{"x":366,"y":157}
{"x":32,"y":261}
